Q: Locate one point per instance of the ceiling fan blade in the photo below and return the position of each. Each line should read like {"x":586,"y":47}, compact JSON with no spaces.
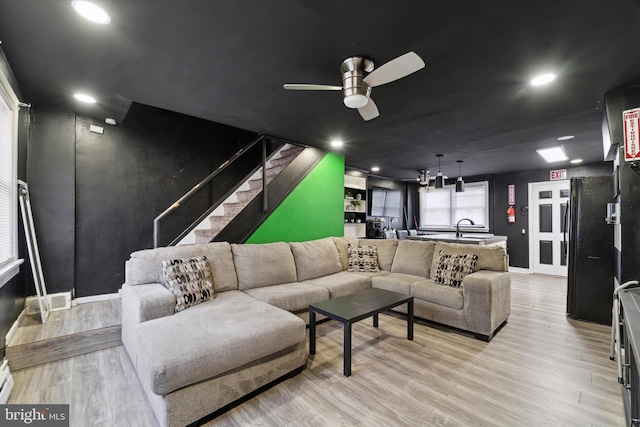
{"x":395,"y":69}
{"x":369,"y":111}
{"x":297,"y":86}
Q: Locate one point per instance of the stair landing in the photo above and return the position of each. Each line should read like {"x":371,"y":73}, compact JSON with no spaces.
{"x":81,"y":329}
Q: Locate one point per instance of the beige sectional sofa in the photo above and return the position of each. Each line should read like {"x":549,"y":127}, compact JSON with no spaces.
{"x":197,"y":361}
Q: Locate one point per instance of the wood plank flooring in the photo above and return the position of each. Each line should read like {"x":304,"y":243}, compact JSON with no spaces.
{"x":81,"y":318}
{"x":541,"y":369}
{"x":79,"y":330}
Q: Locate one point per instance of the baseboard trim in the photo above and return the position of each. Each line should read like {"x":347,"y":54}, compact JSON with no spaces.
{"x":14,"y":328}
{"x":95,"y":298}
{"x":519,"y":270}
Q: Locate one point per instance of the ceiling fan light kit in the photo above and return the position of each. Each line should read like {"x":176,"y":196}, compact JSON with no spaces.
{"x":356,"y":92}
{"x":358,"y":77}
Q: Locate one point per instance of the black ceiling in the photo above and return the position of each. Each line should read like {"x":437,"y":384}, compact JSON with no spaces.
{"x":226,"y":61}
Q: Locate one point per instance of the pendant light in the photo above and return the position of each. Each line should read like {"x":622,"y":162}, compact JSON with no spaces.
{"x":423,"y":177}
{"x":459,"y":182}
{"x":439,"y":178}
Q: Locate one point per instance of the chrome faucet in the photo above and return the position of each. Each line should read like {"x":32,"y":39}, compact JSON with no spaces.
{"x":458,"y":233}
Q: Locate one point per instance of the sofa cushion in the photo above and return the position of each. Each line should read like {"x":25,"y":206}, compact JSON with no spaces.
{"x":396,"y":282}
{"x":447,"y":296}
{"x":363,"y":259}
{"x":342,"y":283}
{"x":264,"y":264}
{"x":315,"y":258}
{"x":386,"y":250}
{"x":145,"y":265}
{"x":413,"y":257}
{"x":212,"y":338}
{"x":491,"y":257}
{"x":189,"y":280}
{"x":290,"y":296}
{"x":342,"y":245}
{"x":451,"y":269}
{"x":379,"y":273}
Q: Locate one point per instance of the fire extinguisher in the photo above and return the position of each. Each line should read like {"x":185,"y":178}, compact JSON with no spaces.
{"x":511,"y":215}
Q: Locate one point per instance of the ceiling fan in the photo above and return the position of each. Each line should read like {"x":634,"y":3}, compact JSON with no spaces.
{"x":358,"y":77}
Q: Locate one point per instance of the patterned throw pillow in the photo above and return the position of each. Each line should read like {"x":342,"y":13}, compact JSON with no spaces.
{"x":189,"y":280}
{"x":452,"y":268}
{"x":363,"y":259}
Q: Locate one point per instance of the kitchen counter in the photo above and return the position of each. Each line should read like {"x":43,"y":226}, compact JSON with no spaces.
{"x":466,"y":238}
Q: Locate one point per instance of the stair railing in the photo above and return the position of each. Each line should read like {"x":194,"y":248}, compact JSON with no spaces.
{"x":260,"y":138}
{"x":198,"y":186}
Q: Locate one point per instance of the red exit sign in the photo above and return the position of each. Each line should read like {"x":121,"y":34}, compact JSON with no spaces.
{"x":558,"y":174}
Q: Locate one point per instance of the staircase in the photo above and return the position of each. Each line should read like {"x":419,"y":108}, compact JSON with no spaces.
{"x":248,"y":191}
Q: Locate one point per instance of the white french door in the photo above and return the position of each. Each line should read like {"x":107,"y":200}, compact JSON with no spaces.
{"x":548,"y":202}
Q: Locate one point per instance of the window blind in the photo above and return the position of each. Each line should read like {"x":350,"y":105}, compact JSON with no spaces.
{"x":6,"y":184}
{"x":443,"y":207}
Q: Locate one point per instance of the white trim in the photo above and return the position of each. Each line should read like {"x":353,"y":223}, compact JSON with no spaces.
{"x":6,"y":382}
{"x":13,"y":103}
{"x":9,"y":271}
{"x":530,"y":216}
{"x":13,"y":329}
{"x":95,"y":298}
{"x":520,"y":270}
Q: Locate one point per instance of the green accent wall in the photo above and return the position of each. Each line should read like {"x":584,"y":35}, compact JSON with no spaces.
{"x":313,"y":210}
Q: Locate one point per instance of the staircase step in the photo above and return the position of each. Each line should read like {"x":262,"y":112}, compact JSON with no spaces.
{"x":217,"y":223}
{"x":248,"y":195}
{"x":233,"y":209}
{"x":287,"y":157}
{"x":293,"y":151}
{"x":255,"y":184}
{"x":275,"y":170}
{"x":205,"y":236}
{"x":244,"y":197}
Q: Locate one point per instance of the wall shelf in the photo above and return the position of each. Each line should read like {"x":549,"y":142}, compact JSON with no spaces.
{"x":355,"y":190}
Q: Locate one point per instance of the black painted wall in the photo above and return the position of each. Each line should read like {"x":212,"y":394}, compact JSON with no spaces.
{"x":95,"y":196}
{"x":628,"y":267}
{"x":517,"y":242}
{"x":51,"y":179}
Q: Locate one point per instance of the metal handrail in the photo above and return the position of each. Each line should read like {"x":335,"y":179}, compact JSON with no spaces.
{"x":175,"y":205}
{"x":232,"y":190}
{"x":223,"y":166}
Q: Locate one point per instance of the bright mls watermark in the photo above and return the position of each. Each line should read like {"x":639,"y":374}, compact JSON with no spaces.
{"x":34,"y":415}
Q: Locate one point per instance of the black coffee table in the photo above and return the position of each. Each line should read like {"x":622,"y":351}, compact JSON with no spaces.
{"x":353,"y":308}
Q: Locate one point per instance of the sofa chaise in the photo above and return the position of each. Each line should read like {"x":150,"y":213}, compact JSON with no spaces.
{"x":196,"y":361}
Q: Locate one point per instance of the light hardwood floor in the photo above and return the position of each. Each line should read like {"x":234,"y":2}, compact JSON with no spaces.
{"x":541,"y":369}
{"x":82,"y":329}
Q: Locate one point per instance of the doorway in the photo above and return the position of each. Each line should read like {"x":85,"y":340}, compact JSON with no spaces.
{"x":548,"y":203}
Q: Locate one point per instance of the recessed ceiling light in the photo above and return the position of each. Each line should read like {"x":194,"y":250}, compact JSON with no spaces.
{"x":84,"y":98}
{"x":110,"y":121}
{"x":566,"y":137}
{"x":91,"y":11}
{"x":575,"y":161}
{"x":375,"y":169}
{"x":553,"y":154}
{"x":543,"y":79}
{"x":337,"y":143}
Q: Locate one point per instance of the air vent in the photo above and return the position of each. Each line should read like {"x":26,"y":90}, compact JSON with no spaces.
{"x":59,"y":301}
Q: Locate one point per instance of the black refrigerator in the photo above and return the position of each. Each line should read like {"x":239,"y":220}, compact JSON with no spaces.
{"x":590,"y":250}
